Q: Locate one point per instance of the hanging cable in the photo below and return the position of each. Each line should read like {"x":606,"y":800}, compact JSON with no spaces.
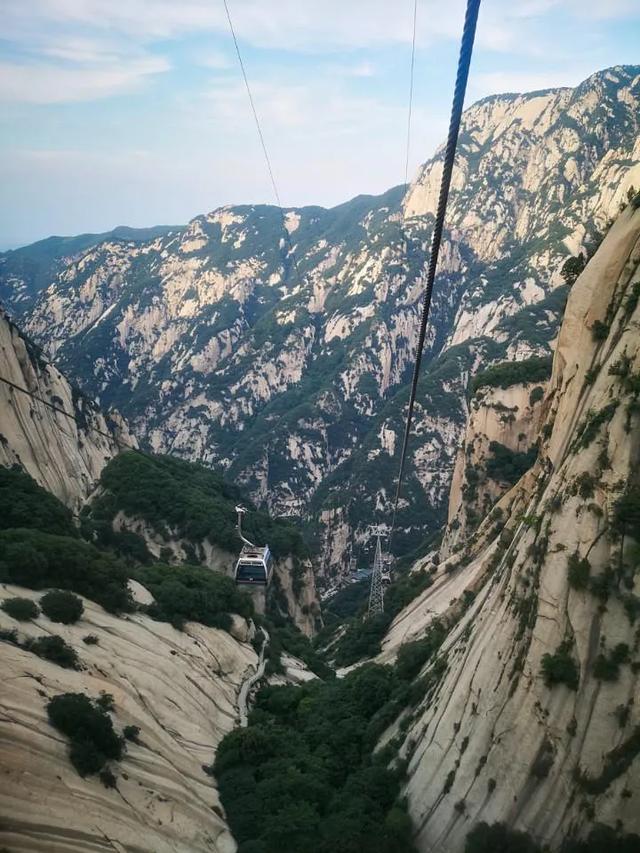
{"x":413,"y":62}
{"x":464,"y":62}
{"x":263,"y":144}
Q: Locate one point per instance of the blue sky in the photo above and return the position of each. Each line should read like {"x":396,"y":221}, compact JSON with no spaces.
{"x":133,"y":111}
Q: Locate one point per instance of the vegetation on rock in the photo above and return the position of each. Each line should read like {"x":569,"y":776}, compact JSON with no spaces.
{"x":23,"y":503}
{"x":560,"y":668}
{"x":193,"y":594}
{"x":509,"y":373}
{"x":22,"y":609}
{"x":62,"y":606}
{"x":93,"y":740}
{"x":35,"y":559}
{"x":182,"y":500}
{"x":506,"y":465}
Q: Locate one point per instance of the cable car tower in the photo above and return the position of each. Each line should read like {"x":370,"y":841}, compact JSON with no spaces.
{"x":376,"y":594}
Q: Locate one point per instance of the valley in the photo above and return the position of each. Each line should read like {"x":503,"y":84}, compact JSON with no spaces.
{"x":287,"y":362}
{"x":158,"y":378}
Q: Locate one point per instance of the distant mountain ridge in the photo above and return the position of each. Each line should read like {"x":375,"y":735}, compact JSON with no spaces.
{"x":25,"y":270}
{"x":215,"y":349}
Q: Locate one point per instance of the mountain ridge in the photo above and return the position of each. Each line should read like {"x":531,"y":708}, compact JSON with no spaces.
{"x":208,"y":336}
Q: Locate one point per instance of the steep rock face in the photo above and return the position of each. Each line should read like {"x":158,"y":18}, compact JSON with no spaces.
{"x":509,"y":417}
{"x":220,"y":345}
{"x":495,"y":739}
{"x":64,"y":455}
{"x":178,"y":687}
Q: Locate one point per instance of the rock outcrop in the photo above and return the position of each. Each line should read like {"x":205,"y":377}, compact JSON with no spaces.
{"x":63,"y":454}
{"x":178,"y":687}
{"x":533,"y":722}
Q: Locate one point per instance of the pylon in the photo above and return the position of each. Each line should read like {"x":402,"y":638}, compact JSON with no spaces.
{"x":376,"y":594}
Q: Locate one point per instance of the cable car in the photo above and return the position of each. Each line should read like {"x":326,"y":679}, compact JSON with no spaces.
{"x":255,"y":563}
{"x":385,"y":573}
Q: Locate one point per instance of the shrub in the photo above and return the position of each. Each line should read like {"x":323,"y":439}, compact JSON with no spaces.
{"x":39,"y":560}
{"x":105,"y":701}
{"x":599,"y":331}
{"x":584,"y":485}
{"x":22,"y":609}
{"x":593,"y":421}
{"x":132,"y":733}
{"x":536,"y":395}
{"x":603,"y":838}
{"x":107,"y":777}
{"x":509,"y":373}
{"x":9,"y":635}
{"x":62,"y":606}
{"x":89,"y":728}
{"x":626,"y":513}
{"x":607,"y":667}
{"x":572,"y":268}
{"x":616,"y":763}
{"x":498,"y":838}
{"x":191,"y":593}
{"x":91,"y":640}
{"x":578,"y":571}
{"x":53,"y":648}
{"x":507,"y":466}
{"x":413,"y":656}
{"x":23,"y":503}
{"x":560,"y":668}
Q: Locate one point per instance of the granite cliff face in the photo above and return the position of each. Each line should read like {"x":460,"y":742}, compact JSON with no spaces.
{"x":532,"y":722}
{"x":64,"y":455}
{"x":220,"y":344}
{"x":178,"y":687}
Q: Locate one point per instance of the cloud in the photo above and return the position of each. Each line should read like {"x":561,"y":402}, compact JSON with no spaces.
{"x":496,"y":82}
{"x":46,"y":83}
{"x":212,"y":58}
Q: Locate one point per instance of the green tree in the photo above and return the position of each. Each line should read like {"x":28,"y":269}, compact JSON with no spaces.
{"x":22,"y":609}
{"x":62,"y":606}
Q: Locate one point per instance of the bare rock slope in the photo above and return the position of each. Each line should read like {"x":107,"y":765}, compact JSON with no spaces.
{"x":63,"y":454}
{"x":178,"y":687}
{"x":534,"y":722}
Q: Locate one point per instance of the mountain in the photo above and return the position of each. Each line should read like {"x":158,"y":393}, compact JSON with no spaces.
{"x":527,"y":716}
{"x":287,"y":360}
{"x":143,"y":507}
{"x":25,"y":271}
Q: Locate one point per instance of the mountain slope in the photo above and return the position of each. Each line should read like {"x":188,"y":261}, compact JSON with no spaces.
{"x":64,"y":455}
{"x":217,"y":346}
{"x":531,"y":721}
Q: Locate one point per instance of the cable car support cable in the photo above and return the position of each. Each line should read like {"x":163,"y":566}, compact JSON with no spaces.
{"x":263,"y":144}
{"x":464,"y":62}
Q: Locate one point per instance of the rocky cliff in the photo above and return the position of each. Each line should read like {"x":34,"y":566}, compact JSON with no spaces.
{"x":178,"y":687}
{"x":63,"y":454}
{"x":287,"y":360}
{"x":528,"y":718}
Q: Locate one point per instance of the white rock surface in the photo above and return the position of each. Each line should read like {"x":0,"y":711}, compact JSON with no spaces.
{"x":179,"y":687}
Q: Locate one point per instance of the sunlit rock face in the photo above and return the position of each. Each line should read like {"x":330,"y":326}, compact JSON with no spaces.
{"x":63,"y":454}
{"x":178,"y":687}
{"x":534,"y":721}
{"x":220,"y":346}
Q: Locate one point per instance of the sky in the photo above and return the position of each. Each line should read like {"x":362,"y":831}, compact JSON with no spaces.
{"x":133,"y":112}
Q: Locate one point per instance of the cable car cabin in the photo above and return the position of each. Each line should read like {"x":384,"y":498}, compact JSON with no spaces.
{"x":254,"y":566}
{"x":385,"y":577}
